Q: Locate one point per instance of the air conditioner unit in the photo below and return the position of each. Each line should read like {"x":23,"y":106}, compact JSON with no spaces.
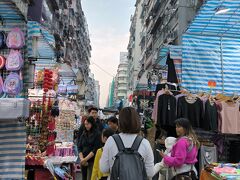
{"x":145,"y":2}
{"x":173,"y":35}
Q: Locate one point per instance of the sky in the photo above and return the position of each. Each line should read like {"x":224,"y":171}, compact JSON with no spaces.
{"x":108,"y":24}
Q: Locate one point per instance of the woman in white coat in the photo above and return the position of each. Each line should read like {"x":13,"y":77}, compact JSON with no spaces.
{"x":129,"y":125}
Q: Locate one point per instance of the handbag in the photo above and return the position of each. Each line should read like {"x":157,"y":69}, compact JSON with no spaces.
{"x":185,"y":176}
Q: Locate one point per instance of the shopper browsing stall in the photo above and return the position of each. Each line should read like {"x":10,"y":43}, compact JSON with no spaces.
{"x":184,"y":152}
{"x":129,"y":125}
{"x":88,"y":145}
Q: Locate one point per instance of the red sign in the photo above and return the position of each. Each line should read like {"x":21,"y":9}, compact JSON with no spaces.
{"x":212,"y":84}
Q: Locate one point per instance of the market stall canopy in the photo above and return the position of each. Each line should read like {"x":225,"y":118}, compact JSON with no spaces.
{"x":211,"y":49}
{"x":41,"y":44}
{"x":163,"y":54}
{"x":45,"y":41}
{"x":217,"y":18}
{"x":142,"y":82}
{"x":10,"y":12}
{"x":66,"y":73}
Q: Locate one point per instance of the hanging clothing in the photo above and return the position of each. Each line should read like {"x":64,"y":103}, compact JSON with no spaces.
{"x":230,"y":118}
{"x":178,"y":69}
{"x":144,"y":102}
{"x":177,"y":98}
{"x":155,"y":107}
{"x":234,"y":152}
{"x":219,"y":110}
{"x":210,"y":121}
{"x":192,"y":111}
{"x":208,"y":155}
{"x":166,"y":110}
{"x":171,"y":87}
{"x":172,"y":76}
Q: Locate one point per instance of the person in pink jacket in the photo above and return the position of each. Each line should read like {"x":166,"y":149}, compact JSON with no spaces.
{"x":184,"y":152}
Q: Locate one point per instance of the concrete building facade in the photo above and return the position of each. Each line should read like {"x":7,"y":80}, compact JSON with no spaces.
{"x":134,"y":48}
{"x":163,"y":24}
{"x":91,"y":92}
{"x":97,"y":93}
{"x":66,"y":21}
{"x":122,"y":77}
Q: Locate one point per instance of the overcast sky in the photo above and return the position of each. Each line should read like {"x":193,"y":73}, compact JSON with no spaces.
{"x":108,"y":23}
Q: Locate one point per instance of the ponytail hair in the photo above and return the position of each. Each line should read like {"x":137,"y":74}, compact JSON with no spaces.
{"x":190,"y":133}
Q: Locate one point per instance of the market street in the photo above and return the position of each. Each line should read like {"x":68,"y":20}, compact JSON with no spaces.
{"x":119,"y":90}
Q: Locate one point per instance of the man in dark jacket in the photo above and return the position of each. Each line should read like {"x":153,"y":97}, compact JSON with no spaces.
{"x":113,"y":124}
{"x":93,"y":112}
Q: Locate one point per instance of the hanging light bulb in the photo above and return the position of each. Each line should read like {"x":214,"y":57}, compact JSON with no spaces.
{"x":221,"y":10}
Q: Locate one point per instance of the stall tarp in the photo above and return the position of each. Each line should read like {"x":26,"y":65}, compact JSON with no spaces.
{"x":176,"y":55}
{"x":44,"y":45}
{"x":12,"y":150}
{"x":142,"y":82}
{"x":211,"y":48}
{"x":218,"y":18}
{"x":163,"y":54}
{"x":175,"y":52}
{"x":211,"y":59}
{"x":10,"y":12}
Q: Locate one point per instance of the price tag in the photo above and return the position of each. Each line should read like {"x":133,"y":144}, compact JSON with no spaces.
{"x":212,"y":84}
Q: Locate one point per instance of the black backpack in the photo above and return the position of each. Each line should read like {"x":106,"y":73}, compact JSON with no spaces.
{"x":129,"y":164}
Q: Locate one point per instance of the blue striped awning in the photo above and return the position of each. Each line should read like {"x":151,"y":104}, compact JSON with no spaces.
{"x":142,"y":83}
{"x":12,"y":150}
{"x":175,"y":52}
{"x":45,"y":40}
{"x":45,"y":44}
{"x":163,"y":54}
{"x":214,"y":58}
{"x":217,"y":18}
{"x":211,"y":48}
{"x":176,"y":55}
{"x":9,"y":11}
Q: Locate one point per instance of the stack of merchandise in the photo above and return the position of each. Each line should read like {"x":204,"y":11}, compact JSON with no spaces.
{"x":66,"y":121}
{"x":224,"y":171}
{"x":11,"y":62}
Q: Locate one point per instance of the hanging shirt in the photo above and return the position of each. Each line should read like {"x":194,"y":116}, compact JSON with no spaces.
{"x":230,"y":118}
{"x":155,"y":107}
{"x":166,"y":110}
{"x":208,"y":155}
{"x":210,"y":121}
{"x":219,"y":110}
{"x":172,"y":76}
{"x":192,"y":111}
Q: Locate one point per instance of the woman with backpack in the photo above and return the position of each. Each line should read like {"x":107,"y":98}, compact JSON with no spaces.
{"x":127,"y":156}
{"x":89,"y":143}
{"x":184,"y":152}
